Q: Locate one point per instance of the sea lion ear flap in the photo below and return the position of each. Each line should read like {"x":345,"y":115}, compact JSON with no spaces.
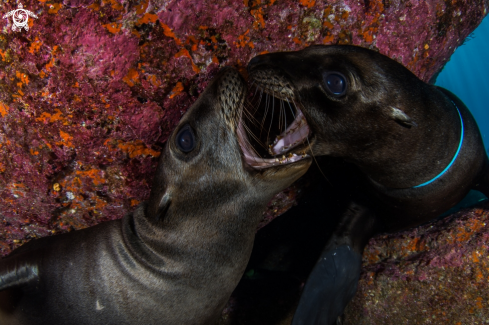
{"x":400,"y":117}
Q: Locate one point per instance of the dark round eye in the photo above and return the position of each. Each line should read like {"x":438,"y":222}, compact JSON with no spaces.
{"x":185,"y":139}
{"x":336,"y":83}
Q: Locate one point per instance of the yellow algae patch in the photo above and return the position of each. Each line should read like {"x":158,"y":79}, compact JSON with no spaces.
{"x":153,"y":80}
{"x":113,"y":28}
{"x":146,"y":19}
{"x":54,"y":8}
{"x":185,"y":52}
{"x":95,"y":174}
{"x":132,"y":77}
{"x":57,"y":116}
{"x":47,"y":67}
{"x":35,"y":46}
{"x":24,"y":79}
{"x":3,"y":109}
{"x":308,"y":3}
{"x":33,"y":152}
{"x":259,"y":20}
{"x":328,"y":38}
{"x":137,"y":148}
{"x":66,"y":139}
{"x":176,"y":90}
{"x":141,"y":8}
{"x":244,"y":40}
{"x":133,"y":148}
{"x":94,"y":6}
{"x":3,"y":54}
{"x":168,"y":32}
{"x":114,"y":4}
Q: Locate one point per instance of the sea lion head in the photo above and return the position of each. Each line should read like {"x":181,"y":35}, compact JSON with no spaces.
{"x":360,"y":106}
{"x":208,"y":163}
{"x":350,"y":96}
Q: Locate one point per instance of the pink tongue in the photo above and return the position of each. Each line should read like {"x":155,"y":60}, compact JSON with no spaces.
{"x":292,"y":137}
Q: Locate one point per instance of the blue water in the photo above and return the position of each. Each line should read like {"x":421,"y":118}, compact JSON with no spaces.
{"x":467,"y":76}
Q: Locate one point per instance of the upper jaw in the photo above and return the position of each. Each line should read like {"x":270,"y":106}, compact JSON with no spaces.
{"x":290,"y":144}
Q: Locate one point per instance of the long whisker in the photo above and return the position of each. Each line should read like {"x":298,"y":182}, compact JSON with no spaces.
{"x":291,"y":109}
{"x":279,"y":116}
{"x":314,"y":157}
{"x":282,"y":108}
{"x":271,"y":119}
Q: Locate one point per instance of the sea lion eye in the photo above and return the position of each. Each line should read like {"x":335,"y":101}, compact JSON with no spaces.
{"x":335,"y":83}
{"x":185,"y":139}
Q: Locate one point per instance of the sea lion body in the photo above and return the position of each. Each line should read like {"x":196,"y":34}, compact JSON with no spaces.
{"x":416,"y":148}
{"x":175,"y":259}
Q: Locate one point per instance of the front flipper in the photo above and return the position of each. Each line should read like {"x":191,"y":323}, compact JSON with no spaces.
{"x":333,"y":281}
{"x":331,"y":285}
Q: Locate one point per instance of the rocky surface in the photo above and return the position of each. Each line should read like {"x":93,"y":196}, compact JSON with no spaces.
{"x":433,"y":274}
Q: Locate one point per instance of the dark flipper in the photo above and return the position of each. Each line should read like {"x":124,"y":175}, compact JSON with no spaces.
{"x":333,"y":281}
{"x":330,"y":287}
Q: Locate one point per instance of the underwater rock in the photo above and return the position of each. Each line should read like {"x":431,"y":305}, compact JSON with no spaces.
{"x":434,"y":274}
{"x":89,"y":94}
{"x":437,"y":273}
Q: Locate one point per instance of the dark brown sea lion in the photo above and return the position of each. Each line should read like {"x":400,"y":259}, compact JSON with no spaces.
{"x":415,"y":147}
{"x":174,"y":260}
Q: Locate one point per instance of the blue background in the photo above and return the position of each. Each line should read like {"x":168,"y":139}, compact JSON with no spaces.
{"x":467,"y":76}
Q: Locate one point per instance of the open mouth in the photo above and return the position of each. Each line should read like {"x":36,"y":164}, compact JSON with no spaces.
{"x":272,"y":130}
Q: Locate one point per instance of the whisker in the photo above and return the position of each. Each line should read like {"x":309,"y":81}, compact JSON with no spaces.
{"x":291,"y":109}
{"x":271,"y":120}
{"x":282,"y":108}
{"x":266,"y":112}
{"x":314,"y":157}
{"x":248,"y":131}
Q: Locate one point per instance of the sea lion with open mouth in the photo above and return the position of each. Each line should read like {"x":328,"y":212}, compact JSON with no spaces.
{"x":174,"y":260}
{"x":416,"y":148}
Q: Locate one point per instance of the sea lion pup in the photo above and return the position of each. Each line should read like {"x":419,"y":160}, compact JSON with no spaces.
{"x":174,"y":260}
{"x":416,"y":147}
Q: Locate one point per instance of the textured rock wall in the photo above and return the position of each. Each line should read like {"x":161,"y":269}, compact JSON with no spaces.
{"x":434,"y":274}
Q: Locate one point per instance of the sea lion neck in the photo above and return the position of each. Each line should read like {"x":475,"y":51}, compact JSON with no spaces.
{"x":419,"y":154}
{"x":221,"y":234}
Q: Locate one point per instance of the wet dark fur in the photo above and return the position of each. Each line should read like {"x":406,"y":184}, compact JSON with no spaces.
{"x":392,"y":150}
{"x":175,"y":259}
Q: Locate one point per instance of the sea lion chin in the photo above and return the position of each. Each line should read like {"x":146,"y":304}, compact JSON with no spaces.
{"x":175,"y":259}
{"x":414,"y":148}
